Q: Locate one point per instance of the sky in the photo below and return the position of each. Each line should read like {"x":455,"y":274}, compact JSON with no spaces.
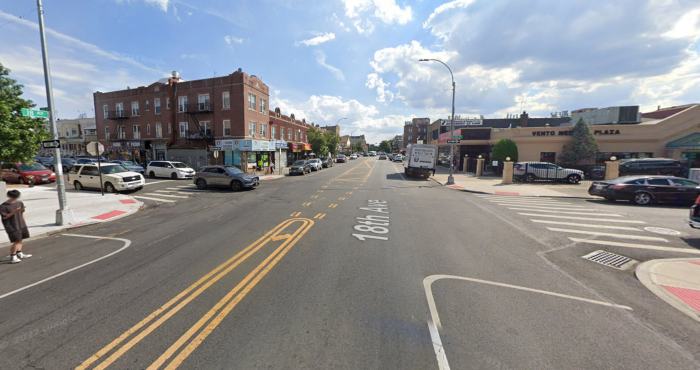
{"x":356,"y":61}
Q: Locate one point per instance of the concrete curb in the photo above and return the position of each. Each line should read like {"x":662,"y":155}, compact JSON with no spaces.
{"x":643,"y":273}
{"x":495,"y":193}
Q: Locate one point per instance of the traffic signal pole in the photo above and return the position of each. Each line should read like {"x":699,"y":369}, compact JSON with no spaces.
{"x":62,"y":212}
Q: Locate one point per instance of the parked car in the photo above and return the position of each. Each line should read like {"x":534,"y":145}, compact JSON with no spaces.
{"x":45,"y":161}
{"x":131,"y":166}
{"x":85,"y":161}
{"x":327,"y":162}
{"x":225,"y":177}
{"x":382,"y":157}
{"x":534,"y":171}
{"x":300,"y":167}
{"x":694,"y":219}
{"x":66,"y":164}
{"x":115,"y":178}
{"x":652,"y":166}
{"x":316,"y":164}
{"x":353,"y":156}
{"x":171,"y":169}
{"x":341,"y":158}
{"x":26,"y":173}
{"x":644,"y":190}
{"x":397,"y":158}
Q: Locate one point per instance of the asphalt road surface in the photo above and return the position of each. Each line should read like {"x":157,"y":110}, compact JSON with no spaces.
{"x":352,"y":267}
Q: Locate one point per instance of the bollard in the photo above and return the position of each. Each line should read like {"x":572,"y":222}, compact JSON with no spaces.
{"x":3,"y":188}
{"x":507,"y":172}
{"x":612,"y":169}
{"x":479,"y":166}
{"x":465,"y":165}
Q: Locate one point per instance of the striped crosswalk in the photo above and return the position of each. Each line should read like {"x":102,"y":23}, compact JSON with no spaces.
{"x":168,"y":195}
{"x":586,"y":224}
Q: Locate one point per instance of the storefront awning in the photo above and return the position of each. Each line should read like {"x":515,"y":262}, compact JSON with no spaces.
{"x":691,"y":141}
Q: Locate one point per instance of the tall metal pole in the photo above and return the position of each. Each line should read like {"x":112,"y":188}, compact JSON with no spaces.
{"x":58,"y":168}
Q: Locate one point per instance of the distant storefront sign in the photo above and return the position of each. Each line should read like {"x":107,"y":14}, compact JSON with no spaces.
{"x":247,"y":145}
{"x":569,"y":132}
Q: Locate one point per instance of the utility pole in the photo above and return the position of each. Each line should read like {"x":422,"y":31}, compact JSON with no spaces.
{"x":58,"y":168}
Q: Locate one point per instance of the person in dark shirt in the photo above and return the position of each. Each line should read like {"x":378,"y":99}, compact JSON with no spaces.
{"x":12,"y":215}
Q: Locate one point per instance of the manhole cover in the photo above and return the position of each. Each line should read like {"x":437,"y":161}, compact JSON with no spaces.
{"x":662,"y":231}
{"x":610,"y":259}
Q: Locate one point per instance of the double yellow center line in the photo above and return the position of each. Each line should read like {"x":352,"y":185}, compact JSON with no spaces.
{"x":288,"y":233}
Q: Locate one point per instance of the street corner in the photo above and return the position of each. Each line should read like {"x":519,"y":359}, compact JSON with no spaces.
{"x":674,"y":280}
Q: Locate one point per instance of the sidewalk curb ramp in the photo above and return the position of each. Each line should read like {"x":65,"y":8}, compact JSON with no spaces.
{"x":674,"y":281}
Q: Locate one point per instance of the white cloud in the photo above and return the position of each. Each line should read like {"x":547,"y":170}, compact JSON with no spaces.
{"x":321,"y":60}
{"x":230,"y":40}
{"x":318,"y":40}
{"x":386,"y":11}
{"x":377,"y":83}
{"x":162,"y":4}
{"x":445,"y":7}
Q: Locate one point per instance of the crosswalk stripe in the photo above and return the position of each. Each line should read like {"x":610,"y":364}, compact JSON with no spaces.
{"x":586,"y":225}
{"x":167,"y":195}
{"x":155,"y":199}
{"x":184,"y":186}
{"x":547,"y":206}
{"x":172,"y":191}
{"x":585,"y":213}
{"x":582,"y":218}
{"x":633,"y":245}
{"x":613,"y":235}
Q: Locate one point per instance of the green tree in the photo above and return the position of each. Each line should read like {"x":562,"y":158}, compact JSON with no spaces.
{"x":332,"y":141}
{"x":505,"y":148}
{"x":385,"y":146}
{"x":20,"y":136}
{"x":357,"y":148}
{"x":317,"y":139}
{"x":582,"y":148}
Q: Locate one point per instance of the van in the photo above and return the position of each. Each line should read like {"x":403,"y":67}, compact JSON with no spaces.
{"x":652,"y":166}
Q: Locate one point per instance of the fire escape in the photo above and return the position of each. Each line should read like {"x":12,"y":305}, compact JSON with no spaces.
{"x":119,"y":117}
{"x":201,"y":136}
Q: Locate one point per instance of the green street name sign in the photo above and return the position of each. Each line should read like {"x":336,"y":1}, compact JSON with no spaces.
{"x":460,"y":137}
{"x":34,"y":113}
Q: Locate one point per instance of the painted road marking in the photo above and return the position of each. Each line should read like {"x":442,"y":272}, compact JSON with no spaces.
{"x":167,"y":195}
{"x":209,"y":322}
{"x":373,"y":223}
{"x":182,"y":299}
{"x":306,"y":204}
{"x":319,"y":216}
{"x":295,"y":214}
{"x":587,"y":213}
{"x":127,"y":244}
{"x":341,"y":198}
{"x":529,"y":201}
{"x":332,"y":205}
{"x":583,"y":218}
{"x":157,"y":182}
{"x":172,"y":191}
{"x":633,"y":245}
{"x":154,"y":199}
{"x":348,"y":193}
{"x":662,"y":231}
{"x":184,"y":186}
{"x":613,"y":235}
{"x":434,"y":324}
{"x":539,"y":205}
{"x":587,"y":225}
{"x":314,"y":197}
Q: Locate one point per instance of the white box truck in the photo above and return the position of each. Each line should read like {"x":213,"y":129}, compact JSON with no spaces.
{"x":420,"y":160}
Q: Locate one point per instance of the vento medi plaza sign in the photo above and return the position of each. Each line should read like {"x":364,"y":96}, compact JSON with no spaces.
{"x":568,"y":132}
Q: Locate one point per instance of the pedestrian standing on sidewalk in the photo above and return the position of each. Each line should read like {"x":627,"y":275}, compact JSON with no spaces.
{"x":12,"y":214}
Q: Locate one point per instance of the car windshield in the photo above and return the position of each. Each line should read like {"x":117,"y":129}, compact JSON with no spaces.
{"x":233,"y":170}
{"x":179,"y":165}
{"x":112,"y":169}
{"x":32,"y":167}
{"x":128,"y":163}
{"x":299,"y":163}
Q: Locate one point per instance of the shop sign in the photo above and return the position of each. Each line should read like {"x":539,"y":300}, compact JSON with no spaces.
{"x":135,"y":144}
{"x":307,"y":146}
{"x":116,"y":144}
{"x":569,"y":132}
{"x":280,"y":144}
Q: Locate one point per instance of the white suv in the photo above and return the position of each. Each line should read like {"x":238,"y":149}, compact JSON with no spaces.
{"x":534,"y":171}
{"x":173,"y":170}
{"x":316,"y":164}
{"x":115,"y":178}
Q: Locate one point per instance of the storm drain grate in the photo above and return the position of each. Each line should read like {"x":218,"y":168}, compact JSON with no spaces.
{"x":610,"y":259}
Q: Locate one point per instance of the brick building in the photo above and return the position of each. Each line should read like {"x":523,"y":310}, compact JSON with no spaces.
{"x":293,"y":131}
{"x":415,"y":130}
{"x":181,"y":120}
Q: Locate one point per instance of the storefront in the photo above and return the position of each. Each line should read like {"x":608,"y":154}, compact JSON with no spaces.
{"x":298,"y":151}
{"x":248,"y":155}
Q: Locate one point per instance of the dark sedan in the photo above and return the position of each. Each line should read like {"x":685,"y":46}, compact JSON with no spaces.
{"x":300,"y":167}
{"x":644,"y":190}
{"x":327,"y":162}
{"x":694,"y":219}
{"x":131,"y":166}
{"x":340,"y":158}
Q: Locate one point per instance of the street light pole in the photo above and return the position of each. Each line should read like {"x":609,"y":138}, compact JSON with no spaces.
{"x":58,"y":168}
{"x":450,"y":178}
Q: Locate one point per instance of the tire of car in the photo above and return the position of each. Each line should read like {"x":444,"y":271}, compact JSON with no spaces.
{"x":530,"y":177}
{"x":642,"y":198}
{"x":152,"y":175}
{"x":109,"y":188}
{"x":573,"y":179}
{"x":201,"y":184}
{"x":173,"y":176}
{"x":77,"y":185}
{"x":236,"y":185}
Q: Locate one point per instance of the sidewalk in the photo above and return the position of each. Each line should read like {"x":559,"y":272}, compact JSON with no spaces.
{"x":675,"y":280}
{"x":87,"y":207}
{"x":492,"y":185}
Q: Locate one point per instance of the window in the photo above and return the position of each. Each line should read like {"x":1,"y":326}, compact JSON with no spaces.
{"x":156,"y":105}
{"x":183,"y":129}
{"x":262,"y":106}
{"x":282,"y":133}
{"x":74,"y":132}
{"x":289,"y":134}
{"x":203,"y":102}
{"x":684,"y":182}
{"x":167,"y":103}
{"x":661,"y":182}
{"x":170,"y":129}
{"x":273,"y":132}
{"x":148,"y":105}
{"x":148,"y":130}
{"x":298,"y":135}
{"x":251,"y":129}
{"x":251,"y":101}
{"x":106,"y":133}
{"x":136,"y":130}
{"x":205,"y":128}
{"x":159,"y":130}
{"x":134,"y":108}
{"x":227,"y":127}
{"x":89,"y":171}
{"x":121,"y":133}
{"x":548,"y":157}
{"x":105,"y":111}
{"x":263,"y":129}
{"x":119,"y":107}
{"x":225,"y":100}
{"x":182,"y":103}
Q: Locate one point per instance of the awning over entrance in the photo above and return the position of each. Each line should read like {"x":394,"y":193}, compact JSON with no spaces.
{"x":691,"y":141}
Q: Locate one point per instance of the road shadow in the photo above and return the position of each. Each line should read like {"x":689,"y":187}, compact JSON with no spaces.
{"x":692,"y":242}
{"x":629,"y":203}
{"x":402,"y":177}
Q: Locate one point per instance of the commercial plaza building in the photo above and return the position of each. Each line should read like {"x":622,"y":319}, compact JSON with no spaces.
{"x":188,"y":121}
{"x":671,"y":132}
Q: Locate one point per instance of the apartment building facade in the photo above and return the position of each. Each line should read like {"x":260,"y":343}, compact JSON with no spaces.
{"x":415,"y":131}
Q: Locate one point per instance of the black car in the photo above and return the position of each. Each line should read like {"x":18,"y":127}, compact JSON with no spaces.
{"x":694,"y":219}
{"x":643,"y":190}
{"x":300,"y":167}
{"x":341,"y":158}
{"x":652,"y":166}
{"x":327,"y":162}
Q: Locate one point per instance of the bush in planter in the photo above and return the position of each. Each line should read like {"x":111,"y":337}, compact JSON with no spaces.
{"x":503,"y":149}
